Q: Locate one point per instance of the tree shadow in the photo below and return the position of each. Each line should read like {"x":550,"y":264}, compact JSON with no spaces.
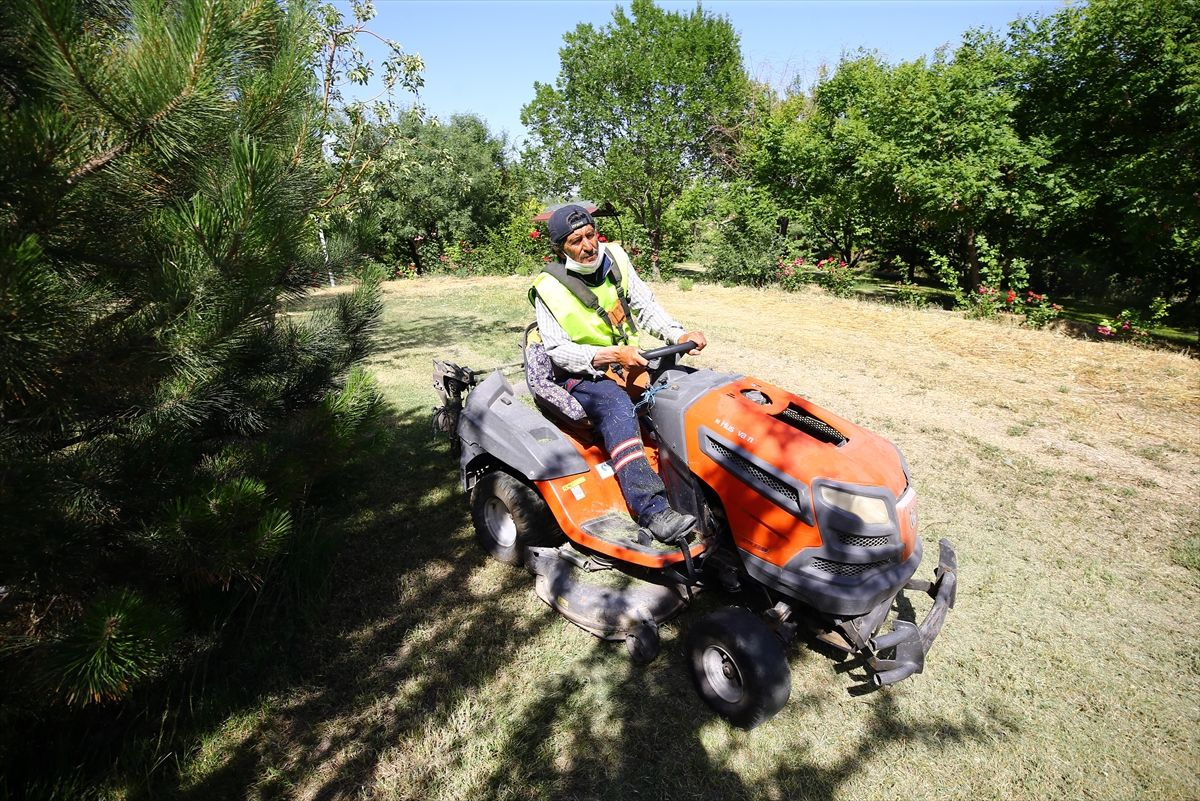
{"x":395,"y":620}
{"x":419,"y":623}
{"x":443,"y":330}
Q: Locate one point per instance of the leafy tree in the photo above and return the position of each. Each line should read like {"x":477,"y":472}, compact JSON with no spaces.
{"x":814,"y":154}
{"x":164,"y":421}
{"x":882,"y":157}
{"x":1114,"y":87}
{"x":638,"y":109}
{"x":438,"y":184}
{"x":956,"y":156}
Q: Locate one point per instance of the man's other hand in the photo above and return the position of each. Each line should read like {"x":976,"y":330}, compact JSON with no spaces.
{"x":697,"y":337}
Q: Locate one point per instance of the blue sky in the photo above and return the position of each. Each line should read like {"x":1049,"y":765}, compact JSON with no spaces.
{"x":483,"y":56}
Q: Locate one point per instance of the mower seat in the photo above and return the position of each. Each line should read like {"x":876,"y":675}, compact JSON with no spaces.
{"x":554,"y":401}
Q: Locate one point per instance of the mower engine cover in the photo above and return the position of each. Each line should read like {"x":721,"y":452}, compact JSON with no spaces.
{"x":820,"y":509}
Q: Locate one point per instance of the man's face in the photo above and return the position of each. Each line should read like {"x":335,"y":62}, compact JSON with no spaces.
{"x":582,"y":245}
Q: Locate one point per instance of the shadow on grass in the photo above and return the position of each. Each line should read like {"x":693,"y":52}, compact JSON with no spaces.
{"x":409,"y":639}
{"x":442,"y":331}
{"x":361,"y":683}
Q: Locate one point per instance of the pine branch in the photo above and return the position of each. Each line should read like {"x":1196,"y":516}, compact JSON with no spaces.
{"x":65,"y":52}
{"x":98,"y":163}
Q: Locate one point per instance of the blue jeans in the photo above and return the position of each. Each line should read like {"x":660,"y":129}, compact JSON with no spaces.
{"x":611,"y":412}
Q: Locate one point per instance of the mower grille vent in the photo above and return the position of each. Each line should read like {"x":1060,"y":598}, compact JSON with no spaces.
{"x":844,"y":568}
{"x":819,"y":429}
{"x":863,"y":542}
{"x":754,"y":470}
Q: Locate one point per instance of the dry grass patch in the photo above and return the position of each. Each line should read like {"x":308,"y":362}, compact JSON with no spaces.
{"x":1067,"y":473}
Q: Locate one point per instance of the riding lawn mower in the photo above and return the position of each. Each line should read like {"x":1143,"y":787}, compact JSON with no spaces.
{"x":807,"y":520}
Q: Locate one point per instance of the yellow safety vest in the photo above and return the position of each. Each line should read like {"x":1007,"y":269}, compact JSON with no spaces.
{"x":591,"y":315}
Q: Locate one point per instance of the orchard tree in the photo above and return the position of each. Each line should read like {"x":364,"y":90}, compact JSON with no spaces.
{"x":441,"y":183}
{"x":959,"y":166}
{"x":639,"y":109}
{"x":1115,"y":88}
{"x":884,"y":156}
{"x":816,"y":155}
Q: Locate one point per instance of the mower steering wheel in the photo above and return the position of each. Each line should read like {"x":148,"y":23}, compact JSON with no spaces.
{"x":668,"y":350}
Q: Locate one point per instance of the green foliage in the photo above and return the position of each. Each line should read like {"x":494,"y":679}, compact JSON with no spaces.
{"x":836,"y":276}
{"x":1132,"y":325}
{"x":948,"y":275}
{"x":739,"y":243}
{"x":166,"y":424}
{"x":638,"y":109}
{"x":118,"y":641}
{"x":686,"y":284}
{"x":1112,"y":87}
{"x":1039,"y":311}
{"x":909,"y":294}
{"x":441,"y":185}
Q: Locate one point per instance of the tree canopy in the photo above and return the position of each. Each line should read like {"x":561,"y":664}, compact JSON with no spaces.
{"x":638,"y":108}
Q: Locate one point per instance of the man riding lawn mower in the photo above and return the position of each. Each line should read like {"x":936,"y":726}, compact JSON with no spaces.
{"x":734,"y":483}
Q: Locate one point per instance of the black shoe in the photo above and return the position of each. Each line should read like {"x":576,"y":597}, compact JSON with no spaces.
{"x":669,"y":526}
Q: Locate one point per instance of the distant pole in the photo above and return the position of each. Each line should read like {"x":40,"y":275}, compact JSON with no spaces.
{"x":325,"y":251}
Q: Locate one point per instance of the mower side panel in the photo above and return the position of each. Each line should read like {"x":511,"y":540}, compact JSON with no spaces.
{"x":578,"y":502}
{"x":494,"y":422}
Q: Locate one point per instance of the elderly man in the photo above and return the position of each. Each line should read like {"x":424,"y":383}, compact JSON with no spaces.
{"x":584,"y":340}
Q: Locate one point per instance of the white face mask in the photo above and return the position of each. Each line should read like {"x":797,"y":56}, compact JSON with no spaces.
{"x":586,"y":269}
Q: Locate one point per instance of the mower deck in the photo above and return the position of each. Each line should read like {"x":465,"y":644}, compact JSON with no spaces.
{"x":610,"y":604}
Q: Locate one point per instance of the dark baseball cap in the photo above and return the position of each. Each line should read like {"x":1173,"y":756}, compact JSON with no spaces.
{"x":566,"y":219}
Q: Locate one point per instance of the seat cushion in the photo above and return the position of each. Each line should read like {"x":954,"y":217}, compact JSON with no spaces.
{"x":539,"y":375}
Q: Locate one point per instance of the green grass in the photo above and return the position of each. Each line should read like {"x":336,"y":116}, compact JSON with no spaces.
{"x":1065,"y":671}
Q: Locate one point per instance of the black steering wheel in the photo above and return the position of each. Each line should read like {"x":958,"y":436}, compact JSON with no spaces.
{"x":668,"y":350}
{"x":662,"y":359}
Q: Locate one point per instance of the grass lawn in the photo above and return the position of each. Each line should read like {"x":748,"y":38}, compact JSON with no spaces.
{"x":1066,"y":472}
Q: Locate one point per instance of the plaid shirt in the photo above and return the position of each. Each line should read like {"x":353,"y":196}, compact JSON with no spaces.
{"x":577,"y":359}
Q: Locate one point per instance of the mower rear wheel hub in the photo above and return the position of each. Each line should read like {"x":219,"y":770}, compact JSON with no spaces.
{"x":500,"y":521}
{"x":723,"y":674}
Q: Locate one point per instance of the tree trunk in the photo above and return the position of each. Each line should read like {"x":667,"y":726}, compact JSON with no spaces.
{"x":413,"y":246}
{"x":655,"y":249}
{"x":972,"y":261}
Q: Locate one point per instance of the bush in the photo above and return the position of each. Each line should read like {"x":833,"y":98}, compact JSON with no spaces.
{"x":909,"y":294}
{"x":836,"y":276}
{"x":1131,"y":325}
{"x":1039,"y":311}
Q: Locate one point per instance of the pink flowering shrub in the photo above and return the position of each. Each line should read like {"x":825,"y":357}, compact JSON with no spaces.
{"x":988,"y":301}
{"x":1131,"y":325}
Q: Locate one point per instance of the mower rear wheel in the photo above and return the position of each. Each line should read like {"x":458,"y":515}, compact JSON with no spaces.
{"x":739,"y":666}
{"x":511,"y":516}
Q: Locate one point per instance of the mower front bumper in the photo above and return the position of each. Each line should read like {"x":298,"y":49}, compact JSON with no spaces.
{"x":911,"y":641}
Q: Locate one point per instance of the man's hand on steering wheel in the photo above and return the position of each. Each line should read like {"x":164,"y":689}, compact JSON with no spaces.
{"x":625,"y":355}
{"x":697,"y":337}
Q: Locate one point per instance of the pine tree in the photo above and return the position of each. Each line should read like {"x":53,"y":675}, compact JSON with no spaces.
{"x":163,"y":419}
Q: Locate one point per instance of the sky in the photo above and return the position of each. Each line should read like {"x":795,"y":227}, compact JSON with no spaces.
{"x":483,"y":56}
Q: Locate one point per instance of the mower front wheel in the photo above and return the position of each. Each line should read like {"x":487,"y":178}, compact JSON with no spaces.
{"x":739,"y":666}
{"x":511,"y":516}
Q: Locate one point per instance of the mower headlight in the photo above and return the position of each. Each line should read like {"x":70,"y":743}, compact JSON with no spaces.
{"x":871,"y":511}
